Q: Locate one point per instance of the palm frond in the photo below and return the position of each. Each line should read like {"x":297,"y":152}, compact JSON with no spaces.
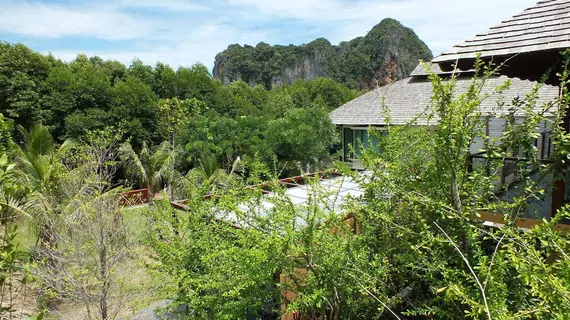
{"x":10,"y":205}
{"x":67,"y":145}
{"x":162,"y":163}
{"x":37,"y":140}
{"x":134,"y":167}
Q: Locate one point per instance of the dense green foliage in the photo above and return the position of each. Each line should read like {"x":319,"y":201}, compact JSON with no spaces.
{"x":6,"y":128}
{"x":419,"y":250}
{"x":409,"y":246}
{"x":388,"y":52}
{"x":219,"y":122}
{"x":15,"y":266}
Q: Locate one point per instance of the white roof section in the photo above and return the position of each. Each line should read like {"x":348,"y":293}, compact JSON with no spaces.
{"x":330,"y":194}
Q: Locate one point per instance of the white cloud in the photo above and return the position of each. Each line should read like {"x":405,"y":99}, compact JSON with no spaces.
{"x":300,"y":9}
{"x":54,"y":21}
{"x":163,"y":5}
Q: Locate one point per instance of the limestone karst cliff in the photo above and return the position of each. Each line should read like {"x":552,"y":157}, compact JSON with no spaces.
{"x":386,"y":53}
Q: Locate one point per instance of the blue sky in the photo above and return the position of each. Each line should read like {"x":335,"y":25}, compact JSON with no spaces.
{"x":182,"y":32}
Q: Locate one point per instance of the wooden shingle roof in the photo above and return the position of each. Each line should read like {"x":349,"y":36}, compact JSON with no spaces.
{"x":544,"y":27}
{"x":410,"y":97}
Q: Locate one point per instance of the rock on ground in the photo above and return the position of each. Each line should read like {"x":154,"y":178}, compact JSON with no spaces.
{"x":150,"y":313}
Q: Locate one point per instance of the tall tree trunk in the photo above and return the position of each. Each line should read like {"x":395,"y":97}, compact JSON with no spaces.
{"x":103,"y":270}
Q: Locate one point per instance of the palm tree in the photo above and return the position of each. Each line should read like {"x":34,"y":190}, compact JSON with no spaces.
{"x":40,"y":159}
{"x":149,"y":169}
{"x":11,"y":191}
{"x":205,"y":179}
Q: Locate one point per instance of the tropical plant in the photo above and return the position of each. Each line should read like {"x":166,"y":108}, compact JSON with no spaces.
{"x":419,"y":248}
{"x":207,"y":178}
{"x":176,"y":113}
{"x":12,"y":192}
{"x":6,"y":127}
{"x":41,"y":160}
{"x":245,"y":254}
{"x":15,"y":272}
{"x":303,"y":135}
{"x":15,"y":269}
{"x":150,"y":169}
{"x":432,"y":255}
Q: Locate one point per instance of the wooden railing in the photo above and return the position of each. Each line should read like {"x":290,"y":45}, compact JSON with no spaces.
{"x":134,"y":197}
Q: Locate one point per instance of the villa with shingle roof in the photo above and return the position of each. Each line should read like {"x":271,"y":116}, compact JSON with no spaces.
{"x":409,"y":100}
{"x":525,"y":46}
{"x":410,"y":97}
{"x":541,"y":28}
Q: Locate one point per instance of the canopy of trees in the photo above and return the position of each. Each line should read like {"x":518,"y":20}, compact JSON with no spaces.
{"x":410,"y":246}
{"x":221,"y":122}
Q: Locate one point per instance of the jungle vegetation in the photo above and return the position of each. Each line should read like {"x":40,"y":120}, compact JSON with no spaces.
{"x":229,"y":251}
{"x":221,"y":122}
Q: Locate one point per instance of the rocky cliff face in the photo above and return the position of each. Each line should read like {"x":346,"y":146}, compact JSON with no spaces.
{"x":387,"y":53}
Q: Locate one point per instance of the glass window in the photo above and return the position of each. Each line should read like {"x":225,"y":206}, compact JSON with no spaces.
{"x":364,"y":140}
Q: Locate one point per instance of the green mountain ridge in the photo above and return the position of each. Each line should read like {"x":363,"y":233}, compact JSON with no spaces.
{"x":388,"y":52}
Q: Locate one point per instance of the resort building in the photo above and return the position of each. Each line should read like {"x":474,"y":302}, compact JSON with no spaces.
{"x":408,"y":100}
{"x":526,"y":46}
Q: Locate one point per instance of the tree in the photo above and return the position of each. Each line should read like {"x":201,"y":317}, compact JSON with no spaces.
{"x":21,"y":73}
{"x":135,"y":110}
{"x":115,"y":70}
{"x":304,"y":135}
{"x":90,"y":94}
{"x":59,"y":100}
{"x":418,"y":249}
{"x":144,"y":73}
{"x":6,"y":128}
{"x":241,"y":254}
{"x":164,"y":81}
{"x":176,"y":113}
{"x":205,"y":179}
{"x":147,"y":168}
{"x":15,"y":270}
{"x":211,"y":135}
{"x":95,"y":241}
{"x":41,"y":161}
{"x":194,"y":82}
{"x":199,"y":267}
{"x":92,"y":84}
{"x":432,"y":256}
